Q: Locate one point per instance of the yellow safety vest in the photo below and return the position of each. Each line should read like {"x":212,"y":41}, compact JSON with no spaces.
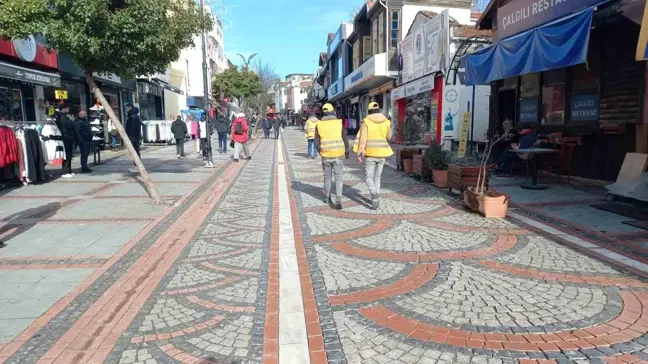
{"x":377,"y":144}
{"x":310,"y":128}
{"x":331,"y":143}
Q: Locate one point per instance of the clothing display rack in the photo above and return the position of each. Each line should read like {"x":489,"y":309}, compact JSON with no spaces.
{"x":157,"y":132}
{"x":97,"y":116}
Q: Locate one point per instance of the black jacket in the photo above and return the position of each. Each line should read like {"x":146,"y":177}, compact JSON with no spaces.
{"x":222,"y":124}
{"x":134,"y":124}
{"x":65,"y":126}
{"x":83,"y":130}
{"x":179,"y":129}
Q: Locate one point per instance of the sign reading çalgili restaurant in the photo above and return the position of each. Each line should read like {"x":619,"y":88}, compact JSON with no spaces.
{"x":520,"y":15}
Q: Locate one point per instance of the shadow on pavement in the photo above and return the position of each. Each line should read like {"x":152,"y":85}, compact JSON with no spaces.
{"x":22,"y":221}
{"x":316,"y":192}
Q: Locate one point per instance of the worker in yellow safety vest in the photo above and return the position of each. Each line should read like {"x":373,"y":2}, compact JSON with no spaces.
{"x":334,"y":148}
{"x":373,"y":145}
{"x":311,"y":123}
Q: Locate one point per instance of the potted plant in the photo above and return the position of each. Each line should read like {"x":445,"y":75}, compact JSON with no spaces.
{"x":480,"y":198}
{"x":437,"y":160}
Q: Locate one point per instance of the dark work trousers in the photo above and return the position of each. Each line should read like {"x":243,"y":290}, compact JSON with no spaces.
{"x":68,"y":145}
{"x":85,"y":152}
{"x":276,"y":132}
{"x":136,"y":145}
{"x":180,"y":147}
{"x":205,"y":146}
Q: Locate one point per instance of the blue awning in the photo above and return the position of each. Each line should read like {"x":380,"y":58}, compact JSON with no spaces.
{"x":558,"y":44}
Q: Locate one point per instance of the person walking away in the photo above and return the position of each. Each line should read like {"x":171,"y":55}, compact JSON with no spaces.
{"x":240,"y":137}
{"x":373,"y":145}
{"x":311,"y":123}
{"x":83,"y":132}
{"x":134,"y":127}
{"x":205,"y":141}
{"x":68,"y":134}
{"x":276,"y":125}
{"x":266,"y":127}
{"x":179,"y":130}
{"x":333,"y":146}
{"x":222,"y":128}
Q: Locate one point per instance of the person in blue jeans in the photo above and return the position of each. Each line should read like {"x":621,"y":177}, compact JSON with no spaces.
{"x":311,"y":123}
{"x":222,"y":128}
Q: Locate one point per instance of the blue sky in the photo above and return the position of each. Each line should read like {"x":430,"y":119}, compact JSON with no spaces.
{"x":288,"y":34}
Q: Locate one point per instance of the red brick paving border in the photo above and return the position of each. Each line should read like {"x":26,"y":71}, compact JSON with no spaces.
{"x":187,"y":330}
{"x":216,"y":256}
{"x":563,"y":277}
{"x":313,"y":327}
{"x":502,"y":244}
{"x":630,"y":324}
{"x":271,"y":326}
{"x":421,"y":274}
{"x":207,"y":287}
{"x":183,"y":357}
{"x":229,"y":270}
{"x":624,"y":359}
{"x":365,"y":231}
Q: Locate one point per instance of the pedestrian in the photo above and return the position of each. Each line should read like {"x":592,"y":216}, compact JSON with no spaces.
{"x":134,"y":127}
{"x":179,"y":130}
{"x":222,"y":128}
{"x":240,"y":137}
{"x":311,"y":123}
{"x":204,"y":130}
{"x":83,"y":132}
{"x":333,"y":146}
{"x":276,"y":126}
{"x":266,"y":127}
{"x":373,"y":145}
{"x":68,"y":136}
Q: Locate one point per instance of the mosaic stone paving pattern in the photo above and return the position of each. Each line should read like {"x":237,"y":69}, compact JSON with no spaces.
{"x":422,"y":280}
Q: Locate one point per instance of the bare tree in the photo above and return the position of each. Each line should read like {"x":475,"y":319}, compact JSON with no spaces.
{"x":269,"y":78}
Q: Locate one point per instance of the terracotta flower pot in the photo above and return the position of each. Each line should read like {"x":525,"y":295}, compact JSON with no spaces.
{"x":493,"y":204}
{"x":440,"y":178}
{"x":407,"y":165}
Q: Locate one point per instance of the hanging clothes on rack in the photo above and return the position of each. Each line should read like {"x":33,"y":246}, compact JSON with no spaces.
{"x":53,"y":145}
{"x":34,"y":158}
{"x":8,"y":147}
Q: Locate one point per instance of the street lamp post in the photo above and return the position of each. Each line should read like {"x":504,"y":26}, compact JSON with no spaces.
{"x":206,"y":96}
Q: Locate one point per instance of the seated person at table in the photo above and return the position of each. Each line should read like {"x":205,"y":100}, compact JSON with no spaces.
{"x":501,"y":147}
{"x":528,"y":137}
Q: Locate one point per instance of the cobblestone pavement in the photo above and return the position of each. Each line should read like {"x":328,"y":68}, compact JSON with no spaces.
{"x":421,"y":280}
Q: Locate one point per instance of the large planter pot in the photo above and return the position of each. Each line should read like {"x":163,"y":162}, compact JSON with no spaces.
{"x":493,"y":204}
{"x":440,"y":178}
{"x":407,"y":165}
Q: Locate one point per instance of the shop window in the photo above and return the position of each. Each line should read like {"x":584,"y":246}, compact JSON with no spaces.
{"x":584,"y":107}
{"x":11,"y":105}
{"x":395,"y":28}
{"x":553,"y":97}
{"x":530,"y":85}
{"x":356,"y":54}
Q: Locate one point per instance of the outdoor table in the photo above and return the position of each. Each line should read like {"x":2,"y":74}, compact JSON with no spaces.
{"x":531,"y":154}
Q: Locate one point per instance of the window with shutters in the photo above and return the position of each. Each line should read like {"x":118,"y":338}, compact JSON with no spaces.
{"x":381,"y":32}
{"x":356,"y":54}
{"x":374,"y":36}
{"x":366,"y":44}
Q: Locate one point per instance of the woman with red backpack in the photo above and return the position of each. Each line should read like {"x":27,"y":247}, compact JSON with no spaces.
{"x":240,"y":137}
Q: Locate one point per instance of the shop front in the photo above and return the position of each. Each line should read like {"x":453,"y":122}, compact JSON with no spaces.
{"x":26,"y":67}
{"x":419,"y":102}
{"x":151,"y":100}
{"x":571,"y":75}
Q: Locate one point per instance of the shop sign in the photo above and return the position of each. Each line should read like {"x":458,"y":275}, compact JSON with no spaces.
{"x":61,"y":94}
{"x":463,"y":140}
{"x":520,"y":15}
{"x":365,"y":71}
{"x":528,"y":111}
{"x":426,"y":50}
{"x":398,"y":93}
{"x":584,"y":107}
{"x":421,"y":85}
{"x":107,"y":77}
{"x":335,"y":88}
{"x":450,"y":127}
{"x":27,"y":75}
{"x":407,"y":59}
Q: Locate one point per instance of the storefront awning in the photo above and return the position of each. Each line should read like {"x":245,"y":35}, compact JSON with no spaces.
{"x":10,"y":71}
{"x":557,"y":44}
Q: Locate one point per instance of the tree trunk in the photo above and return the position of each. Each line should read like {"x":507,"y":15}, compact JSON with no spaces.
{"x":148,"y":182}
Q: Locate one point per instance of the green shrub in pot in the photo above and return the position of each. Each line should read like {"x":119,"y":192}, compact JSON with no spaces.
{"x":436,"y":158}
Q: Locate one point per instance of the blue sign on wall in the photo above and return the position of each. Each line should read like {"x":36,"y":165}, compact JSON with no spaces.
{"x":528,"y":111}
{"x":521,"y":15}
{"x":584,"y":107}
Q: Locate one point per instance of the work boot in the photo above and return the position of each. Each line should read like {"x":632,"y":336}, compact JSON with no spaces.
{"x":338,"y":204}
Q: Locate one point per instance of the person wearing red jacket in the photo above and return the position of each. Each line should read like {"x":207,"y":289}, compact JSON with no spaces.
{"x":240,"y":137}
